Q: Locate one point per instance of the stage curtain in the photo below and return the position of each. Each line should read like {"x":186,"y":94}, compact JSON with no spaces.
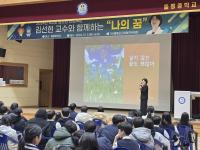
{"x":186,"y":59}
{"x":61,"y":70}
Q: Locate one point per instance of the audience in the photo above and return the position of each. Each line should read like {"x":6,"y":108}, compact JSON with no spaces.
{"x":83,"y":116}
{"x":44,"y":131}
{"x":142,"y":134}
{"x":32,"y":137}
{"x":62,"y":136}
{"x":72,"y":112}
{"x":122,"y":139}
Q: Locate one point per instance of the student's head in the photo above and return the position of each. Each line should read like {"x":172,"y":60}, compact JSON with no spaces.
{"x":13,"y":106}
{"x":32,"y":134}
{"x":6,"y":120}
{"x":76,"y":137}
{"x":144,"y":81}
{"x":18,"y":111}
{"x":139,"y":113}
{"x":41,"y":113}
{"x":3,"y":110}
{"x":58,"y":116}
{"x":184,"y":119}
{"x":50,"y":114}
{"x":84,"y":109}
{"x":148,"y":123}
{"x":118,"y":119}
{"x":150,"y":111}
{"x":166,"y":119}
{"x":138,"y":122}
{"x":1,"y":103}
{"x":156,"y":120}
{"x":125,"y":129}
{"x":70,"y":126}
{"x":88,"y":141}
{"x":155,"y":20}
{"x":132,"y":113}
{"x":100,"y":109}
{"x":72,"y":106}
{"x":90,"y":126}
{"x":66,"y":112}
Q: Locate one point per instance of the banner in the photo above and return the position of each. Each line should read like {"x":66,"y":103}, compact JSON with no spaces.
{"x":156,"y":24}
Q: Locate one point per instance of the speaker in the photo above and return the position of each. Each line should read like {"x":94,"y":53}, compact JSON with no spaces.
{"x":2,"y":52}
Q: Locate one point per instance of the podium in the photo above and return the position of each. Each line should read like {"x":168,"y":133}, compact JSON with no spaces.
{"x":186,"y":101}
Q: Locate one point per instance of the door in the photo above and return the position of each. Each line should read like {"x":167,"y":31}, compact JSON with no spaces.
{"x":45,"y":88}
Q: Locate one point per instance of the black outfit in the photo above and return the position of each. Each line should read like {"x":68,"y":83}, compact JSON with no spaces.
{"x":144,"y":99}
{"x":129,"y":144}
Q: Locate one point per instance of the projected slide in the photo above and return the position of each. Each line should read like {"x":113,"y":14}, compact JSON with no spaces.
{"x":113,"y":72}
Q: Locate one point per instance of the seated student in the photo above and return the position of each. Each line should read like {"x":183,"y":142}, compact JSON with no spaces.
{"x":185,"y":130}
{"x":157,"y":128}
{"x":148,"y":123}
{"x":88,"y":141}
{"x":166,"y":123}
{"x":5,"y":129}
{"x":110,"y":131}
{"x":131,"y":115}
{"x":122,"y":139}
{"x":83,"y":116}
{"x":52,"y":122}
{"x":100,"y":114}
{"x":76,"y":137}
{"x":32,"y":137}
{"x":66,"y":116}
{"x":142,"y":134}
{"x":62,"y":136}
{"x":20,"y":121}
{"x":3,"y":111}
{"x":150,"y":112}
{"x":72,"y":112}
{"x":41,"y":120}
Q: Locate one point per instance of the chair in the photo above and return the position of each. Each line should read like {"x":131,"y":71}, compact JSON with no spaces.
{"x":98,"y":122}
{"x":121,"y":148}
{"x":81,"y":125}
{"x":3,"y":142}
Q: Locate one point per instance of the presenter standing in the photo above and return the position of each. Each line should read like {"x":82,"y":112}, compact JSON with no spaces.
{"x":144,"y":96}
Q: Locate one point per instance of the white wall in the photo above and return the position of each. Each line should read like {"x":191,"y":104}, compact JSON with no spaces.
{"x":38,"y":54}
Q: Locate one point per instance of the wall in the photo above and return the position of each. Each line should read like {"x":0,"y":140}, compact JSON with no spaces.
{"x":38,"y":54}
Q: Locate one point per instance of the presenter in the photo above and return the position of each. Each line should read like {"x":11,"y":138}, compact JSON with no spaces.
{"x":144,"y":96}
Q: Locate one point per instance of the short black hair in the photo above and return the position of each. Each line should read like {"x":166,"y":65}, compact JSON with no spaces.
{"x":57,"y":116}
{"x":146,"y":80}
{"x":118,"y":119}
{"x":156,"y":120}
{"x":72,"y":106}
{"x":84,"y":109}
{"x":50,"y":114}
{"x":138,"y":122}
{"x":31,"y":131}
{"x":3,"y":110}
{"x":100,"y":109}
{"x":66,"y":111}
{"x":6,"y":120}
{"x":159,"y":17}
{"x":90,"y":126}
{"x":14,"y":106}
{"x":41,"y":113}
{"x":148,"y":123}
{"x":132,"y":113}
{"x":76,"y":137}
{"x":70,"y":126}
{"x":126,"y":127}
